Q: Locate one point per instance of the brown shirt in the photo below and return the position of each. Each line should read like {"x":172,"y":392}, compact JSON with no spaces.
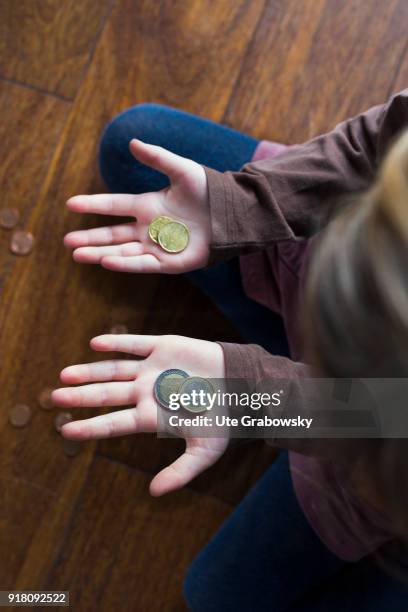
{"x":287,"y":198}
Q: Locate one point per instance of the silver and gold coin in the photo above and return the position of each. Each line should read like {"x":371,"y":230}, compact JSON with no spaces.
{"x":156,"y":225}
{"x":173,"y":237}
{"x":167,"y":383}
{"x":197,"y":389}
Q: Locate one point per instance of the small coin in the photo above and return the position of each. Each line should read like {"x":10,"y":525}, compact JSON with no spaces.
{"x":21,"y":243}
{"x":173,"y":237}
{"x":156,"y":225}
{"x":61,"y":419}
{"x":9,"y":217}
{"x":119,"y":328}
{"x":20,"y":415}
{"x":197,"y":389}
{"x":44,"y":399}
{"x":167,"y":383}
{"x":71,"y":447}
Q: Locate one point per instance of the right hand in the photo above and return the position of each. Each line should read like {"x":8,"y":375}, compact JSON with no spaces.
{"x":127,"y":247}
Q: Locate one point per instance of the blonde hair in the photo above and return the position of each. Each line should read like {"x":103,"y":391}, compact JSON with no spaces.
{"x":356,"y":310}
{"x":356,"y":319}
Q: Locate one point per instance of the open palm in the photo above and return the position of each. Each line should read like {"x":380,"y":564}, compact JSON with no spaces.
{"x":124,"y":382}
{"x":127,"y":247}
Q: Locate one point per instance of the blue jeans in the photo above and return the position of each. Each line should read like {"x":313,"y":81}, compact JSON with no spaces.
{"x":265,"y":556}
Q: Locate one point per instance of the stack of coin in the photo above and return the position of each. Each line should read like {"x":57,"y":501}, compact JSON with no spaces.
{"x":178,"y":381}
{"x":173,"y":236}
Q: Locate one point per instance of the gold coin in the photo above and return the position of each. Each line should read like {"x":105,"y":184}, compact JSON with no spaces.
{"x":174,"y":236}
{"x":9,"y":217}
{"x":20,"y":415}
{"x":21,"y":243}
{"x":196,"y":392}
{"x":156,"y":225}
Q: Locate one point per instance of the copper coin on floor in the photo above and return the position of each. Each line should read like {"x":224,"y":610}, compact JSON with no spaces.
{"x":21,"y":243}
{"x":44,"y":399}
{"x":61,"y":419}
{"x":119,"y":328}
{"x":20,"y":415}
{"x":9,"y":218}
{"x":71,"y":447}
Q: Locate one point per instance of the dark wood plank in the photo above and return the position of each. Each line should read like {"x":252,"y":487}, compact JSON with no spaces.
{"x":51,"y":307}
{"x":124,"y":550}
{"x":49,"y":44}
{"x":30,"y":128}
{"x":312,"y":64}
{"x":31,"y":460}
{"x":401,"y":77}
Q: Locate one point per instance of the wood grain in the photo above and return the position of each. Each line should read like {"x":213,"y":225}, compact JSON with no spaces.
{"x":277,"y":68}
{"x":30,"y":128}
{"x":50,"y":307}
{"x":48,"y":43}
{"x":140,"y":545}
{"x":312,"y":64}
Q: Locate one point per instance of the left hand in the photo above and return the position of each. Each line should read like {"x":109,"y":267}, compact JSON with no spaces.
{"x":122,"y":382}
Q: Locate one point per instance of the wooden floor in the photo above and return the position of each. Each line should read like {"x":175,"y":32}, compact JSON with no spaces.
{"x":279,"y":69}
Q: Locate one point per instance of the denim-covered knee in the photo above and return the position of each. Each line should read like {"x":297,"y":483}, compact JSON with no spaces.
{"x":118,"y":167}
{"x":196,"y":591}
{"x":203,"y":588}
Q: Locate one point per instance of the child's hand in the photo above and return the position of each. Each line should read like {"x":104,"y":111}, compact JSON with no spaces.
{"x":126,"y":382}
{"x":127,"y":247}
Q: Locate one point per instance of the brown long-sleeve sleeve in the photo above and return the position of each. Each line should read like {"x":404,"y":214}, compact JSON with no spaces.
{"x":286,"y":198}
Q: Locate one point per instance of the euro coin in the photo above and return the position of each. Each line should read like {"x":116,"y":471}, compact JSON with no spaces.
{"x":173,"y":237}
{"x":197,"y":390}
{"x":156,"y":225}
{"x":167,"y":383}
{"x":9,"y":217}
{"x":21,"y":243}
{"x":20,"y":415}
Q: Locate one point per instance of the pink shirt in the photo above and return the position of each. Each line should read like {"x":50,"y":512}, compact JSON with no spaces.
{"x":348,"y":526}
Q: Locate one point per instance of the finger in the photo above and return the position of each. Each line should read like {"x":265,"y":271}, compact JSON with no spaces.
{"x":96,"y":254}
{"x":180,"y":472}
{"x":120,"y":423}
{"x":98,"y":394}
{"x":174,"y":166}
{"x":108,"y":370}
{"x":140,"y":263}
{"x":115,"y":234}
{"x":104,"y":204}
{"x":125,"y":343}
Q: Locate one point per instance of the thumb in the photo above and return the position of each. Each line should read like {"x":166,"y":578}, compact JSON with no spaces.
{"x":174,"y":166}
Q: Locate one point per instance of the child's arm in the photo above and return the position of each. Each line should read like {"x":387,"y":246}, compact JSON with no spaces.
{"x":283,"y":198}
